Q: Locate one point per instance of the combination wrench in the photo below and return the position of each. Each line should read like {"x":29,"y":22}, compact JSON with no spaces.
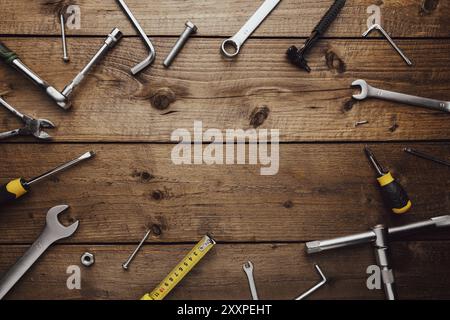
{"x":248,"y":268}
{"x":53,"y":232}
{"x":368,"y":91}
{"x":249,"y":27}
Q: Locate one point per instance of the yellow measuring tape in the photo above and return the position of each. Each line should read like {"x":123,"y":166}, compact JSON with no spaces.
{"x":181,"y":270}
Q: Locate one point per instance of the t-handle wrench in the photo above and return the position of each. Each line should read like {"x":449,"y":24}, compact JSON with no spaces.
{"x":248,"y":268}
{"x":249,"y":27}
{"x":368,"y":91}
{"x":53,"y":232}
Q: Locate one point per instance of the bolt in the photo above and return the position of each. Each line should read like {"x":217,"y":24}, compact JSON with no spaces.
{"x":190,"y":29}
{"x":63,"y":36}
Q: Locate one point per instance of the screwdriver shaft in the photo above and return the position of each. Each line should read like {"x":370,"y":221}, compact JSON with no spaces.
{"x":60,"y":168}
{"x":426,"y":156}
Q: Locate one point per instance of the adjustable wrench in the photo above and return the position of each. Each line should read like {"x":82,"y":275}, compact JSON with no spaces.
{"x":368,"y":91}
{"x":248,"y":268}
{"x":53,"y":232}
{"x":249,"y":27}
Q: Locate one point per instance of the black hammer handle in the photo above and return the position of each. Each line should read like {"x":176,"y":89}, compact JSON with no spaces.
{"x":329,"y":17}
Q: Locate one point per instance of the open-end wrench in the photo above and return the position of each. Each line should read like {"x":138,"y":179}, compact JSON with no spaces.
{"x":248,"y":268}
{"x":53,"y":232}
{"x":368,"y":91}
{"x":249,"y":27}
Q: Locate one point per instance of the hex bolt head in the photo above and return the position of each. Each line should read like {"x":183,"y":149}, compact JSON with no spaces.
{"x":87,"y":259}
{"x":191,"y":26}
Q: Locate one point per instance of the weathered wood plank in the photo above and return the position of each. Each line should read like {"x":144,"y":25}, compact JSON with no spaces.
{"x":201,"y":85}
{"x":321,"y":191}
{"x":282,"y":271}
{"x":292,"y":18}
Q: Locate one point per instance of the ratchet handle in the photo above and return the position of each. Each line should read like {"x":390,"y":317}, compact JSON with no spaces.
{"x":329,"y":17}
{"x":7,"y":54}
{"x":13,"y":190}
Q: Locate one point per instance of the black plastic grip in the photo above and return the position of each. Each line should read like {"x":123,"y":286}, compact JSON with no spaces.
{"x":7,"y":54}
{"x":13,"y":190}
{"x":329,"y":17}
{"x":395,"y":196}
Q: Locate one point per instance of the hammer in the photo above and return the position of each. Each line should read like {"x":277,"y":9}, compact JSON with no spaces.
{"x":61,"y":98}
{"x":297,"y":56}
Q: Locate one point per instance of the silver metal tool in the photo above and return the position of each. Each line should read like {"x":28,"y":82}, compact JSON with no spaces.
{"x":53,"y":232}
{"x":368,"y":91}
{"x":61,"y":98}
{"x":190,"y":29}
{"x":317,"y":286}
{"x":60,"y":168}
{"x":63,"y":37}
{"x":249,"y":27}
{"x":110,"y":41}
{"x":248,"y":268}
{"x":388,"y":38}
{"x":426,"y":156}
{"x":32,"y":126}
{"x":379,"y":236}
{"x":152,"y":53}
{"x":87,"y":259}
{"x":127,"y":263}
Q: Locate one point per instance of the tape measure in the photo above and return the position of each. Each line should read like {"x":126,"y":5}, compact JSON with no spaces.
{"x":181,"y":270}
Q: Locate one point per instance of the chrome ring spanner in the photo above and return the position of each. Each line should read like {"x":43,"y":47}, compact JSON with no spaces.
{"x":368,"y":91}
{"x":53,"y":232}
{"x":248,"y":268}
{"x":249,"y":27}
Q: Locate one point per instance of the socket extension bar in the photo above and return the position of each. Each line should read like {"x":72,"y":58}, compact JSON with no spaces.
{"x":380,"y":236}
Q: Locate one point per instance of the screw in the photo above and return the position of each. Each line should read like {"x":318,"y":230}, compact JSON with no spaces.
{"x":127,"y":263}
{"x":359,"y":123}
{"x":63,"y":36}
{"x":190,"y":29}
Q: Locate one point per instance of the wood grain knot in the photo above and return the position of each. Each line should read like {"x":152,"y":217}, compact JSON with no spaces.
{"x":156,"y":230}
{"x":395,"y":125}
{"x":158,"y":195}
{"x":142,"y":175}
{"x":428,"y":6}
{"x":288,"y":204}
{"x":162,"y":98}
{"x":57,"y":7}
{"x":334,"y":62}
{"x":258,"y":116}
{"x":348,"y":105}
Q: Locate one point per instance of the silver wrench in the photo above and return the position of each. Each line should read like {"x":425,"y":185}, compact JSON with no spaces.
{"x":248,"y":268}
{"x":53,"y":232}
{"x":249,"y":27}
{"x":368,"y":91}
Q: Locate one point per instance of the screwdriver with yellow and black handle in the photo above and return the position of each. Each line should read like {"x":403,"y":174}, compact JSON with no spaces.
{"x":19,"y":187}
{"x":393,"y":193}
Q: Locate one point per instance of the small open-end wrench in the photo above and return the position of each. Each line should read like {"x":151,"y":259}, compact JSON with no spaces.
{"x":248,"y":268}
{"x":368,"y":91}
{"x":249,"y":27}
{"x":53,"y":232}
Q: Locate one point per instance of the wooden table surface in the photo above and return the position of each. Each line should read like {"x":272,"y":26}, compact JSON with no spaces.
{"x":325,"y":186}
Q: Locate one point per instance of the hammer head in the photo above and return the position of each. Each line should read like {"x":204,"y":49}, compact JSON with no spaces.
{"x":296,"y":58}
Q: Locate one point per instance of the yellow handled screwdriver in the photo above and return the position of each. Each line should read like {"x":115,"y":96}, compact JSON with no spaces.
{"x":393,"y":193}
{"x":18,"y":187}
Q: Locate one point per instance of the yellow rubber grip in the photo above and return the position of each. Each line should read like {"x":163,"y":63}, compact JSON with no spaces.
{"x":386,"y":179}
{"x":404,"y":209}
{"x":16,"y":187}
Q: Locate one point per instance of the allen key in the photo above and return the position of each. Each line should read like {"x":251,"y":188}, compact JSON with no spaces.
{"x":152,"y":53}
{"x":316,"y":287}
{"x":376,"y":26}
